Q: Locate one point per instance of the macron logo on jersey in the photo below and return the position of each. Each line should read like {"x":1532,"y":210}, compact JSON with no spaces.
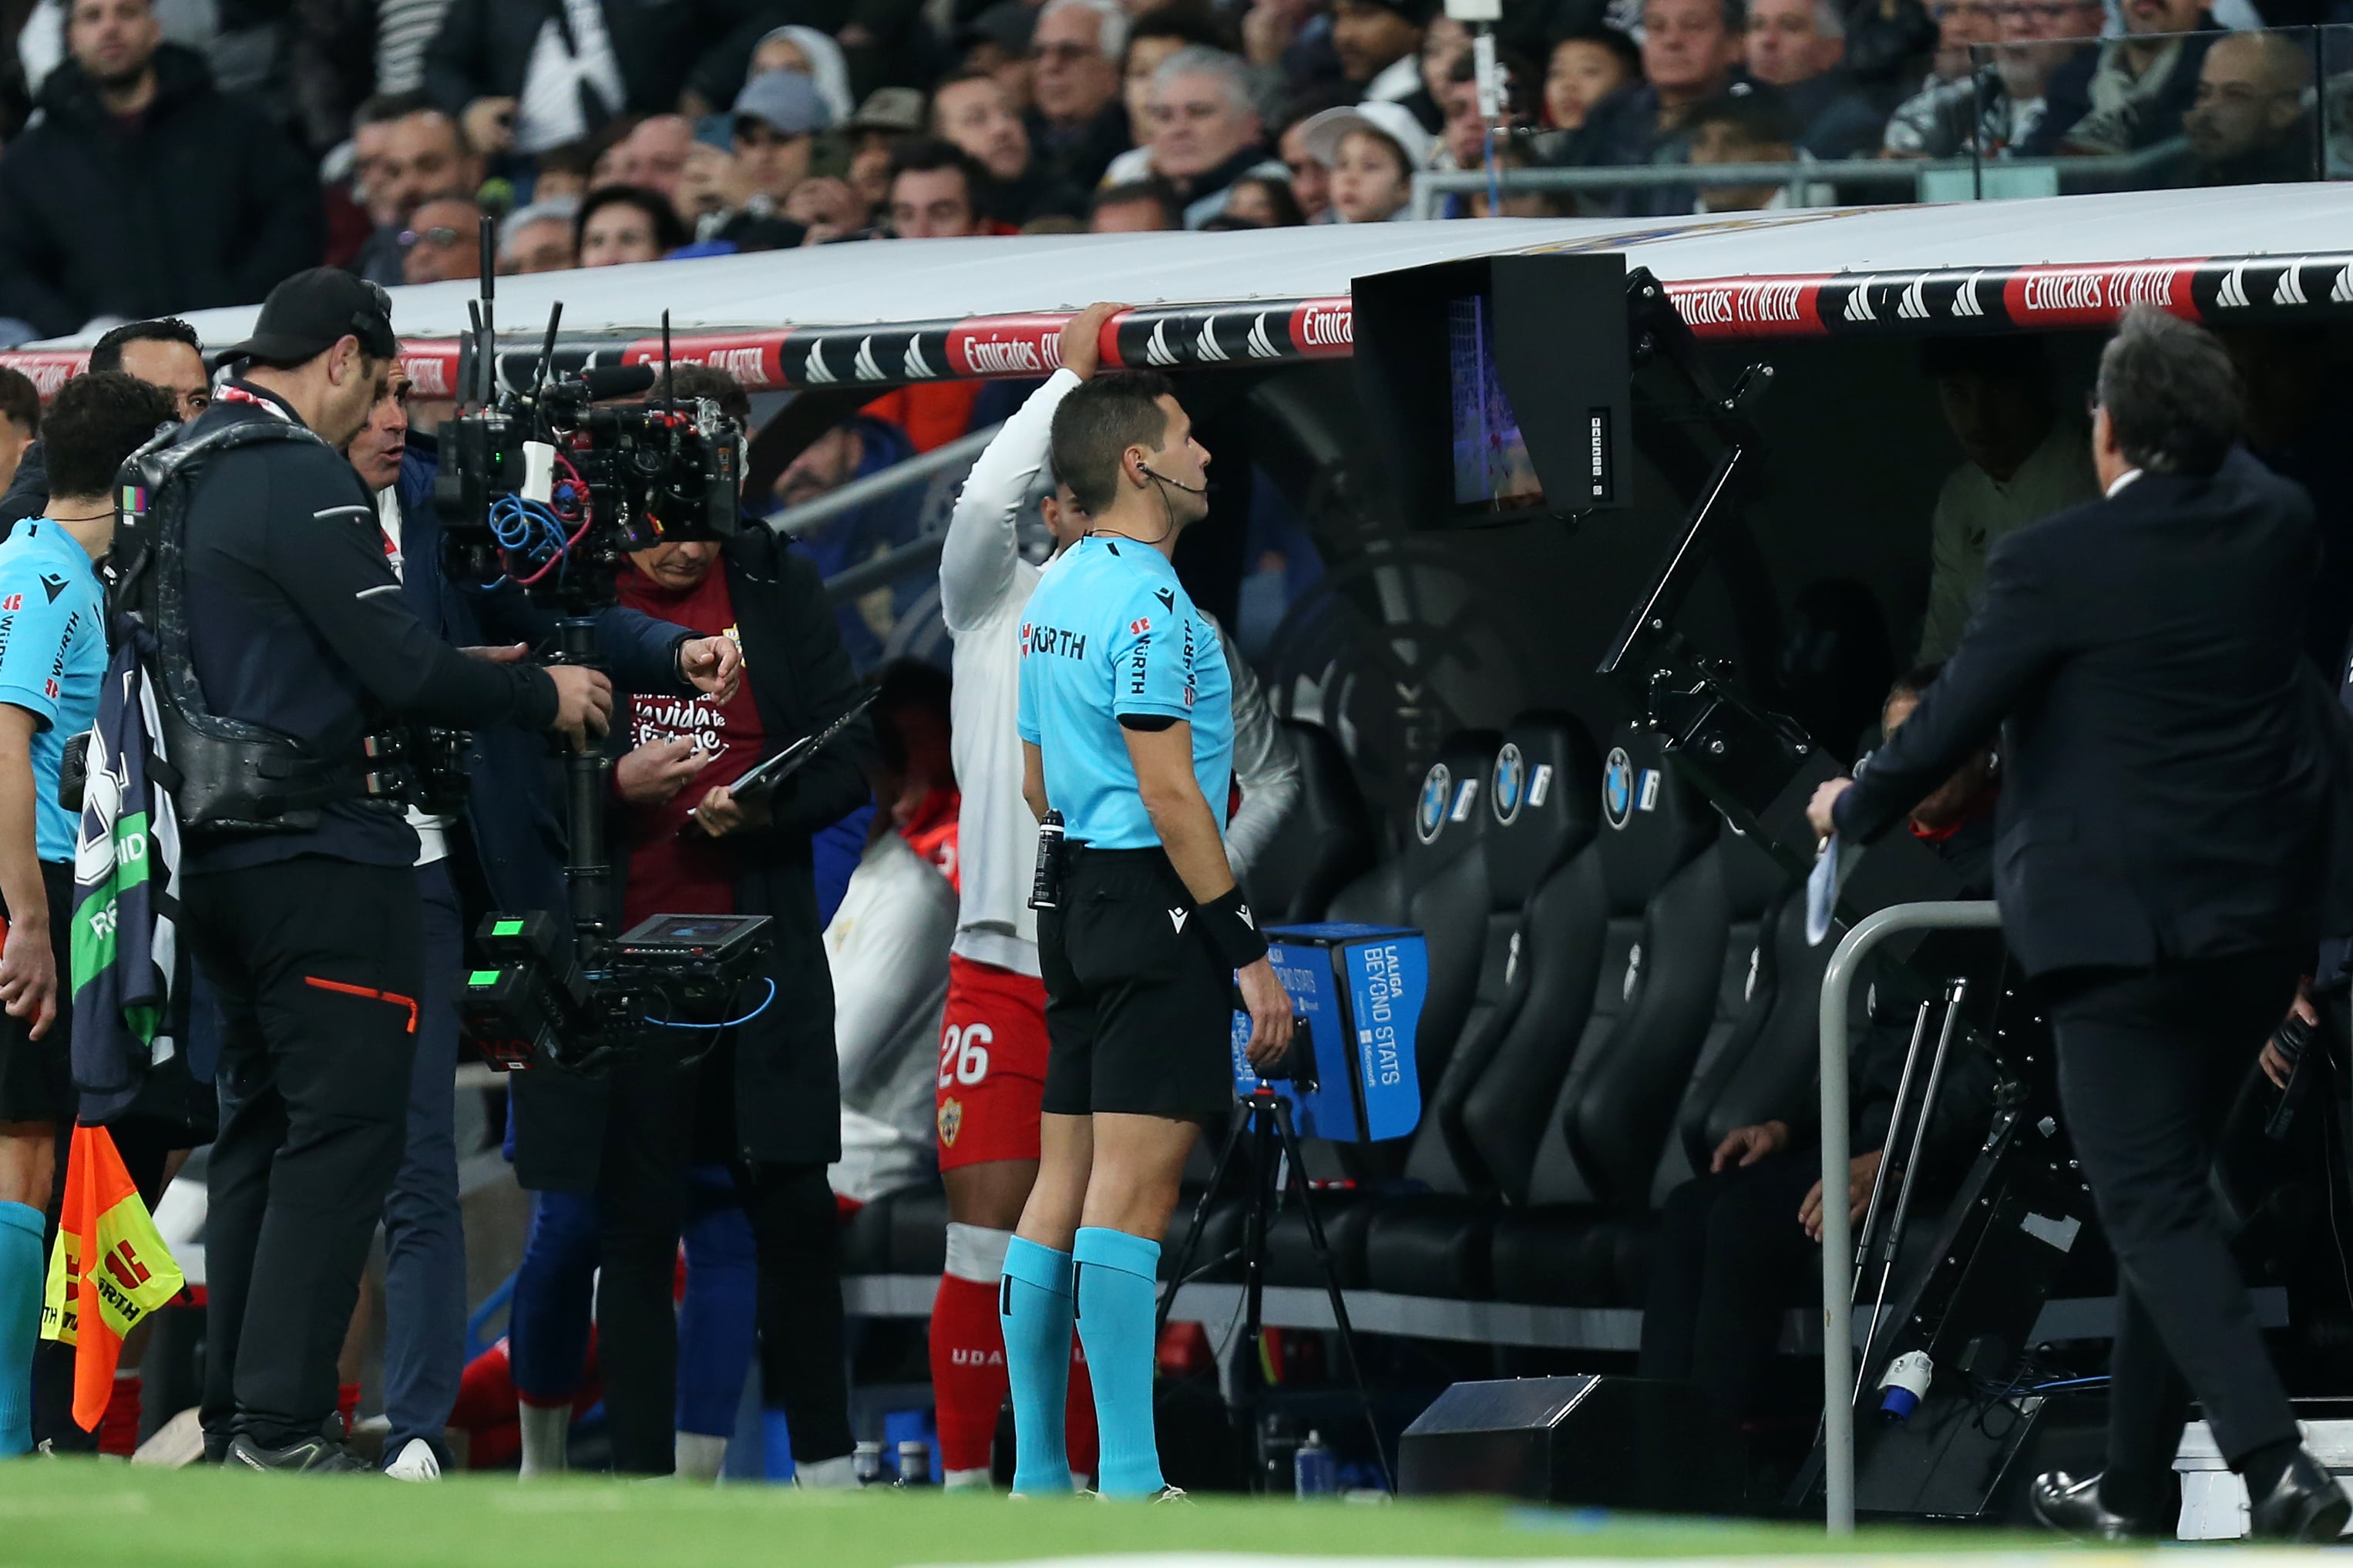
{"x":1177,"y":919}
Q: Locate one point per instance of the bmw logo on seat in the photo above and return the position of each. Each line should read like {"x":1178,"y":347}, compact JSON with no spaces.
{"x":1618,"y":787}
{"x":1511,"y":783}
{"x":1437,"y":789}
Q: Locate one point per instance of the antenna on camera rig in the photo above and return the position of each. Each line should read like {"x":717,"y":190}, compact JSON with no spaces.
{"x":668,"y":392}
{"x":546,"y":352}
{"x":489,"y":341}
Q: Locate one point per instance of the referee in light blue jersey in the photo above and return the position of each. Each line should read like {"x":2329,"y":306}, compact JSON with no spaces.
{"x":1127,"y":729}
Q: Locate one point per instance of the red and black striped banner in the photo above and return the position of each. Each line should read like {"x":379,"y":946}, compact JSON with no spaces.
{"x":2216,"y":290}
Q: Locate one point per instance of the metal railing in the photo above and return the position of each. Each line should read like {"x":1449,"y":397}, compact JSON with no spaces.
{"x":882,"y":482}
{"x":1837,"y":1226}
{"x":1916,"y":172}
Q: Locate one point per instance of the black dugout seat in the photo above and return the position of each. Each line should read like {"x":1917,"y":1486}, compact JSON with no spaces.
{"x":1765,"y":952}
{"x":1545,"y":922}
{"x":1588,"y":1187}
{"x":1439,"y":887}
{"x":1327,"y":839}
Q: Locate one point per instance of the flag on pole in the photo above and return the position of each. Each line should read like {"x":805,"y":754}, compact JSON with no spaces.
{"x":108,"y":1269}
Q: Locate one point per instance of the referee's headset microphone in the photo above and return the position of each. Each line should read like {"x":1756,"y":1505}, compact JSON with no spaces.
{"x":1166,"y":510}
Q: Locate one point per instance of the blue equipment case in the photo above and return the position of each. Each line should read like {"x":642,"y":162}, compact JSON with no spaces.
{"x":1360,"y":988}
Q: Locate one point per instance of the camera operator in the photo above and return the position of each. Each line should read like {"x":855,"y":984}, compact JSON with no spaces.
{"x":309,"y":926}
{"x":684,"y":843}
{"x":1738,"y":1245}
{"x":2159,"y":870}
{"x":1127,"y":719}
{"x":52,"y":663}
{"x":993,"y":1042}
{"x":499,"y":849}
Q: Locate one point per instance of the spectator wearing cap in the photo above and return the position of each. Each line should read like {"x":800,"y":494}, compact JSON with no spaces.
{"x":1692,"y":52}
{"x":1372,"y":152}
{"x":538,"y":237}
{"x":1077,"y":123}
{"x":410,"y":152}
{"x":1583,"y":70}
{"x":141,"y":188}
{"x":1143,"y":207}
{"x":776,"y":119}
{"x":443,"y":241}
{"x":971,"y":110}
{"x":523,"y":76}
{"x":890,"y":116}
{"x":1206,"y":133}
{"x":1379,"y":46}
{"x":1800,"y":47}
{"x":623,"y":223}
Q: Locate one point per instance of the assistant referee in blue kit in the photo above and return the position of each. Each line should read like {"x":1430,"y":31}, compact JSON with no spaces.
{"x":1127,"y":729}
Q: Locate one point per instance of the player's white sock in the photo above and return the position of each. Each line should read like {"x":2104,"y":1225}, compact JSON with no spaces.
{"x":976,"y":1479}
{"x":546,"y":1437}
{"x":839,"y":1472}
{"x":699,"y":1458}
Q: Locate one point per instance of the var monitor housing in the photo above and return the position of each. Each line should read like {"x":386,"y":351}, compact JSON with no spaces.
{"x":1497,"y":387}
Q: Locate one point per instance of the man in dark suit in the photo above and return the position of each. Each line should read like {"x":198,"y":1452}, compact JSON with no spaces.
{"x":2157,"y":868}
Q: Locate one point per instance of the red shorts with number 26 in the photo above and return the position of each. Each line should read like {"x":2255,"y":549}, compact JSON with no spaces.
{"x":992,"y":1064}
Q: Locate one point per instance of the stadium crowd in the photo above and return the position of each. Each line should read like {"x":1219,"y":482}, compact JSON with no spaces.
{"x":376,"y":135}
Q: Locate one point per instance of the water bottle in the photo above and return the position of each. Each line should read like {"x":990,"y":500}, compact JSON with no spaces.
{"x":866,"y":1463}
{"x":914,"y":1463}
{"x":1316,"y":1473}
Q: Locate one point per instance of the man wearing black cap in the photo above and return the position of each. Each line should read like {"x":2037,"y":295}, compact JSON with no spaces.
{"x":310,"y":931}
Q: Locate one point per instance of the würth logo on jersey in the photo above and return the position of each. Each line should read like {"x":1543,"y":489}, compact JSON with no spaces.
{"x":12,"y":602}
{"x":1141,"y":625}
{"x":1037,"y":638}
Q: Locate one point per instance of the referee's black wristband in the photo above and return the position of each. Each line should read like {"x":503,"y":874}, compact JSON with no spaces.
{"x":1232,"y":931}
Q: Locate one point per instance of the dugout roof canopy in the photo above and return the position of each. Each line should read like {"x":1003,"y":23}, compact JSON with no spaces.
{"x":889,"y":312}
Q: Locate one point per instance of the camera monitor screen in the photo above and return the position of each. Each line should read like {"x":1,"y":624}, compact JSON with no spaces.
{"x":1493,"y":470}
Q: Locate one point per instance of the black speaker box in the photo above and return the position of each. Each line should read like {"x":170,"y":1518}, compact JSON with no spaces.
{"x":1614,"y":1442}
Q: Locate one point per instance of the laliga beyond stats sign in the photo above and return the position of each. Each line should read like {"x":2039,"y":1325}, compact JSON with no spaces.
{"x":1360,"y":989}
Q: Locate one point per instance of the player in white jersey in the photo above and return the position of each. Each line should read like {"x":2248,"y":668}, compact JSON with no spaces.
{"x":992,"y":1068}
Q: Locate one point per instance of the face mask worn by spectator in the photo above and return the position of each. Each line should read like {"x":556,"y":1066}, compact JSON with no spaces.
{"x":552,"y":492}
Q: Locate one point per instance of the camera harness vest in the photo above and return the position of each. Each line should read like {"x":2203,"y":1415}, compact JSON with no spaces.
{"x":223,"y":772}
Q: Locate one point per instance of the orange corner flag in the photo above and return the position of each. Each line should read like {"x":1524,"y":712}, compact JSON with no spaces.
{"x":93,"y":1307}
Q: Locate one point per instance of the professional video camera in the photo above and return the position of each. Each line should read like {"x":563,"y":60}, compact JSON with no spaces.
{"x":550,"y":491}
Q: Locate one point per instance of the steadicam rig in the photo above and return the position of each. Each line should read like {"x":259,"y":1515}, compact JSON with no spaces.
{"x":550,"y":491}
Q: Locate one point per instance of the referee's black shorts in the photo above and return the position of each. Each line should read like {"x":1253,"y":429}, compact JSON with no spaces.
{"x":1139,"y":1011}
{"x":36,"y":1076}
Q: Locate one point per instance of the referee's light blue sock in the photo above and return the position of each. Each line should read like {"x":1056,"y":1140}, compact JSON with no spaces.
{"x":22,"y":1270}
{"x":1033,"y":1303}
{"x":1117,"y":1295}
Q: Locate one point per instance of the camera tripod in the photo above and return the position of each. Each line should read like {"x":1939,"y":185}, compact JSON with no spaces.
{"x":1266,"y":1115}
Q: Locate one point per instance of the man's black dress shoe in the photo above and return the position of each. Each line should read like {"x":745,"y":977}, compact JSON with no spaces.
{"x":2305,"y":1505}
{"x":2073,"y":1508}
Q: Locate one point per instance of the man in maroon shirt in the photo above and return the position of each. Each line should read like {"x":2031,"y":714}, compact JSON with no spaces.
{"x":765,"y":1097}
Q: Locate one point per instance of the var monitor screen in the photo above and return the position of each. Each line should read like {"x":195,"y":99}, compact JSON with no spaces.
{"x":1492,"y":467}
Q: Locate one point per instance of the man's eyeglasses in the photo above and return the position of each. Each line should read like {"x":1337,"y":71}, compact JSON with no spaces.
{"x":440,"y":236}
